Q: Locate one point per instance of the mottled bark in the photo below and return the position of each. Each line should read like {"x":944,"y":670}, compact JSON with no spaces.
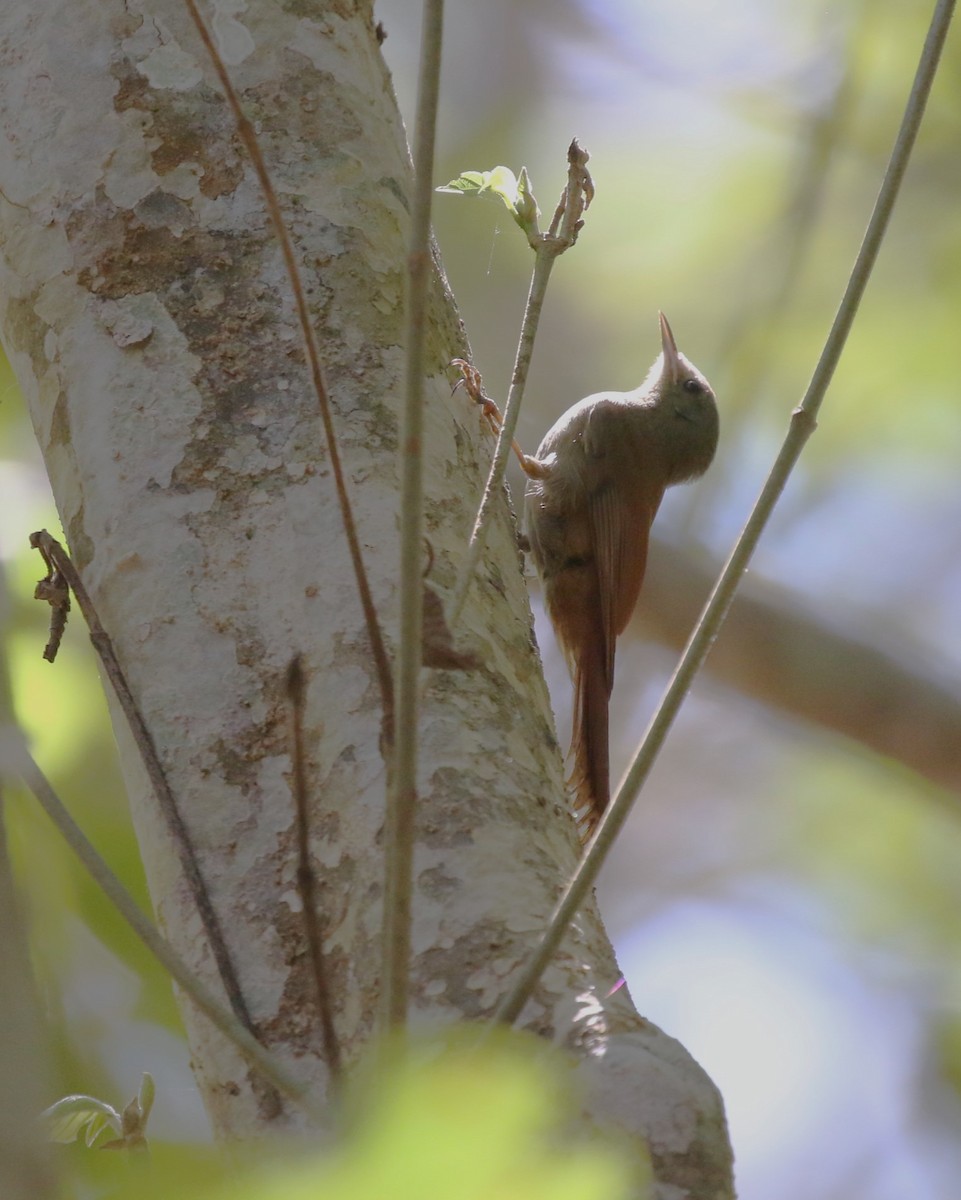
{"x":147,"y":315}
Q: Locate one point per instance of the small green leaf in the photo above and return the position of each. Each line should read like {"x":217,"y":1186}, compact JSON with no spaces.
{"x":515,"y":194}
{"x":466,"y":183}
{"x":95,"y":1127}
{"x":500,"y":182}
{"x":148,"y":1090}
{"x":526,"y":211}
{"x":67,"y":1118}
{"x":503,"y":182}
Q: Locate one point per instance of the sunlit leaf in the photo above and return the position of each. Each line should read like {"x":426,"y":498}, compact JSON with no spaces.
{"x":68,"y":1118}
{"x":500,"y":182}
{"x":468,"y":1125}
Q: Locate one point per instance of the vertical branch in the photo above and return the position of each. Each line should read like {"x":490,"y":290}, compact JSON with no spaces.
{"x":306,"y":879}
{"x":399,"y":833}
{"x":16,"y":759}
{"x":60,"y":566}
{"x":565,"y":225}
{"x":802,"y":425}
{"x":249,"y":138}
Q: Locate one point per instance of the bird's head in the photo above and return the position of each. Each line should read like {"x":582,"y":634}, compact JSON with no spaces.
{"x":681,"y":392}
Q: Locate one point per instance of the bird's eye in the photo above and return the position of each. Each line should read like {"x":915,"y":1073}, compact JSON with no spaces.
{"x":693,"y":385}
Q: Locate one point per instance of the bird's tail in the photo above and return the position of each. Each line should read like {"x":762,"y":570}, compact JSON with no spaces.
{"x":591,"y":775}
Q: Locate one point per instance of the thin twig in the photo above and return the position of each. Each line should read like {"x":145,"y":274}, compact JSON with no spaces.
{"x":306,"y":877}
{"x":249,"y":138}
{"x":565,"y":226}
{"x":54,"y":554}
{"x":402,"y":792}
{"x":802,"y":425}
{"x":17,"y":760}
{"x":56,"y":592}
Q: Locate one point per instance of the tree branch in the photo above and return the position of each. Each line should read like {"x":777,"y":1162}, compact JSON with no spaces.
{"x":565,"y":226}
{"x":60,"y":564}
{"x":402,"y":792}
{"x":306,"y":876}
{"x":16,"y":758}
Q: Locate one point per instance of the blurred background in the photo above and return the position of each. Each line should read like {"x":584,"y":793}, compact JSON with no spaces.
{"x":787,"y":897}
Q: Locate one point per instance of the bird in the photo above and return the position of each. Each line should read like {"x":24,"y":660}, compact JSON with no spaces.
{"x":593,"y":489}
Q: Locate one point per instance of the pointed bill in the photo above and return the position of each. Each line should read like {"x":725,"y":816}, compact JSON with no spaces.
{"x":671,"y":365}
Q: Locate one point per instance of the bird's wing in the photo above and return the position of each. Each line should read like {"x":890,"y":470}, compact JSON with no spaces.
{"x":621,"y":523}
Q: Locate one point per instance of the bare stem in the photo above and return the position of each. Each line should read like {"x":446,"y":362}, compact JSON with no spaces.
{"x":249,"y":138}
{"x":306,"y":877}
{"x":19,"y":761}
{"x":802,"y":425}
{"x":402,"y":795}
{"x":566,"y":223}
{"x":56,"y":556}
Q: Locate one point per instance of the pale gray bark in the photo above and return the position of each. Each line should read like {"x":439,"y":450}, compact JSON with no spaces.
{"x":146,"y":313}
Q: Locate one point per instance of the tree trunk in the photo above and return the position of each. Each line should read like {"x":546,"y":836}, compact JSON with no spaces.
{"x":148,"y":317}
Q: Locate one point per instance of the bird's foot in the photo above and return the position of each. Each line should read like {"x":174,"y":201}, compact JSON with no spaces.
{"x":472,"y":383}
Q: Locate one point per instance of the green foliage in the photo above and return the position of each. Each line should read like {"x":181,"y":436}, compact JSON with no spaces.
{"x":468,"y":1124}
{"x":455,"y":1122}
{"x":72,"y":1116}
{"x":501,"y":183}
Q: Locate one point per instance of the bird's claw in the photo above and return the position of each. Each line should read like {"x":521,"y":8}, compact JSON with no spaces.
{"x":472,"y":383}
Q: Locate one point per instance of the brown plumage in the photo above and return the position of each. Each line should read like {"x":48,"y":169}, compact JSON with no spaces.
{"x":595,"y":486}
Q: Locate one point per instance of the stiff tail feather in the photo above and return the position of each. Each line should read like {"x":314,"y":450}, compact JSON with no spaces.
{"x":591,"y":776}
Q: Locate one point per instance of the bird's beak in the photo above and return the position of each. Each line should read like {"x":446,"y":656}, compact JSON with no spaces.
{"x":670,"y":369}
